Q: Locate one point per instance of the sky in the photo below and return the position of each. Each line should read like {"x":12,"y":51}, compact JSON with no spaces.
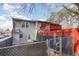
{"x":40,"y":12}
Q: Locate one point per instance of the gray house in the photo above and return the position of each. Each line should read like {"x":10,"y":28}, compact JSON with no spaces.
{"x":25,"y":31}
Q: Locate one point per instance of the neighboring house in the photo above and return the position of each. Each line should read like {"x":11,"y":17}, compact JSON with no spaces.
{"x":1,"y":33}
{"x":7,"y":33}
{"x":25,"y":31}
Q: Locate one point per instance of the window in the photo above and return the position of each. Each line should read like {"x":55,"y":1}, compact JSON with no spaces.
{"x":29,"y":36}
{"x":27,"y":25}
{"x":20,"y":36}
{"x":23,"y":25}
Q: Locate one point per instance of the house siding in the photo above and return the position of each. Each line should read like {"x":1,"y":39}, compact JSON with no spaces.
{"x":25,"y":31}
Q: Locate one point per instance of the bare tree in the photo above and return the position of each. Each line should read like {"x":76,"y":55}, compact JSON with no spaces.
{"x":65,"y":14}
{"x":29,"y":8}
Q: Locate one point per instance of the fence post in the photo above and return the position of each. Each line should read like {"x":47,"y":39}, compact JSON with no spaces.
{"x":60,"y":46}
{"x":48,"y":49}
{"x":73,"y":47}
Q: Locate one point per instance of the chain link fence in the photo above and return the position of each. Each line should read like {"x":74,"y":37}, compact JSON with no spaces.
{"x":55,"y":45}
{"x":62,"y":46}
{"x":33,"y":49}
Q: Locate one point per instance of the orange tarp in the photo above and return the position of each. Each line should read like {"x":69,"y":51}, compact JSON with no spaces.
{"x":42,"y":33}
{"x":74,"y":33}
{"x":51,"y":33}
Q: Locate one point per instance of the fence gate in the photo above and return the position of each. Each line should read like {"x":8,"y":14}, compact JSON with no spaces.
{"x":60,"y":46}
